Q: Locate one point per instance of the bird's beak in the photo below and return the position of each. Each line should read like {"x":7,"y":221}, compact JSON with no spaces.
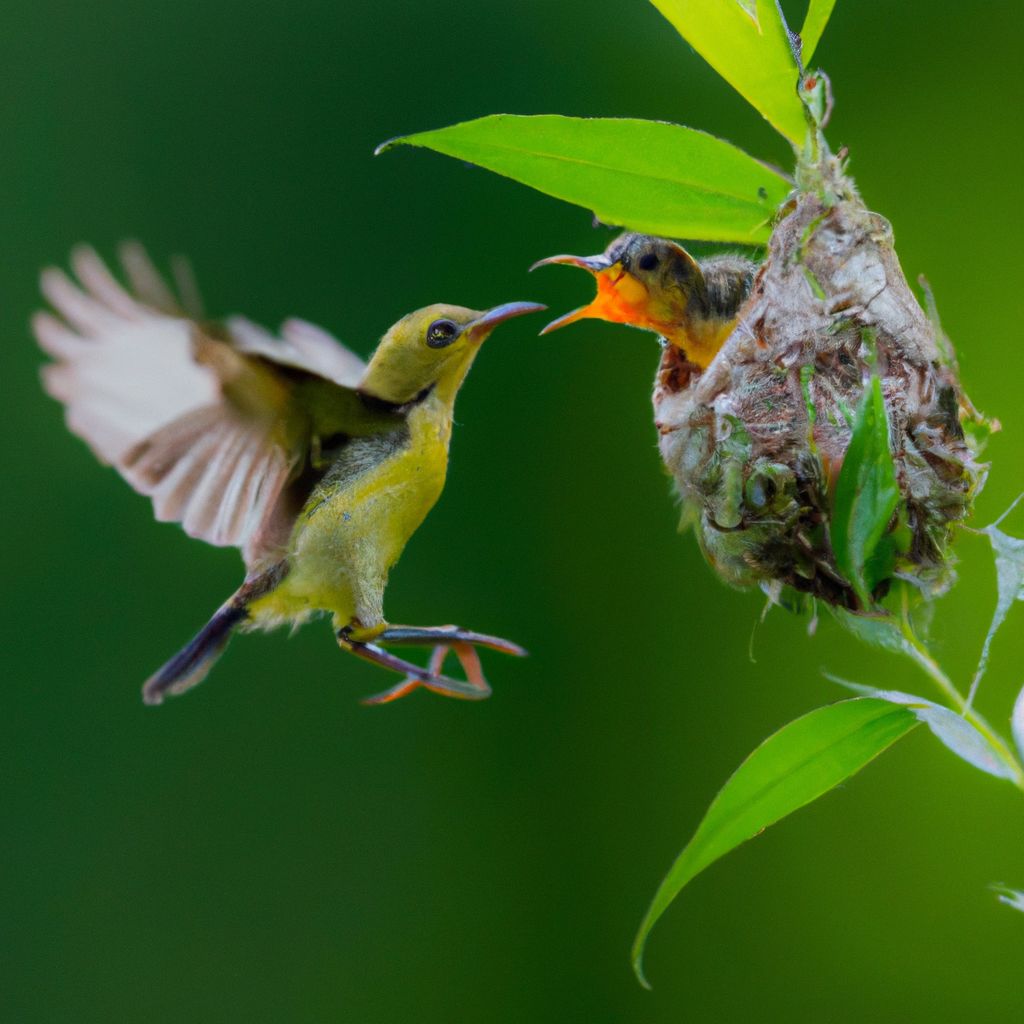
{"x":479,"y":328}
{"x":620,"y":298}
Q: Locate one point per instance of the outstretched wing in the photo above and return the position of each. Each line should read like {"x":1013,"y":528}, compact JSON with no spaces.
{"x":207,"y":422}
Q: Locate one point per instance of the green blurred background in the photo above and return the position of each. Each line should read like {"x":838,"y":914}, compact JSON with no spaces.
{"x":267,"y":849}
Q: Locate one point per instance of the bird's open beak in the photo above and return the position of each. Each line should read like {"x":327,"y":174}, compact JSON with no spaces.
{"x":620,"y":298}
{"x":483,"y":325}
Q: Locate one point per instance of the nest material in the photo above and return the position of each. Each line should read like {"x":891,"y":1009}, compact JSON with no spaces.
{"x":756,"y":442}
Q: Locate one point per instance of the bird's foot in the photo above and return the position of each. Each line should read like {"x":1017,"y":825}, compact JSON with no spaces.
{"x":470,"y":662}
{"x":450,"y":635}
{"x":462,"y":643}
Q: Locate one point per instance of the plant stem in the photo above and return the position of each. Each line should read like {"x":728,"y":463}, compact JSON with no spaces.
{"x":933,"y":670}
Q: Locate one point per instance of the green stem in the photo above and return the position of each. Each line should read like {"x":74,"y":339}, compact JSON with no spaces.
{"x":934,"y":672}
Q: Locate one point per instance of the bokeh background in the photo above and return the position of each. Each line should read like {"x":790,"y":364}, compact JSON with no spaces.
{"x":268,"y":849}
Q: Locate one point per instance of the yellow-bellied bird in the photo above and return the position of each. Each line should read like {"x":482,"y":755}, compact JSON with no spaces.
{"x":317,"y":466}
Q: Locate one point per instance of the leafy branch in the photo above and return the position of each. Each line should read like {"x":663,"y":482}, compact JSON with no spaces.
{"x":667,"y":179}
{"x":790,"y":769}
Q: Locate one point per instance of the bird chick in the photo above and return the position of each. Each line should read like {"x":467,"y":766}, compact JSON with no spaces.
{"x":656,"y":285}
{"x":317,"y":466}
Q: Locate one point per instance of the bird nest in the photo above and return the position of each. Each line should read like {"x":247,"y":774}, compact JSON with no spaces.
{"x":758,"y":442}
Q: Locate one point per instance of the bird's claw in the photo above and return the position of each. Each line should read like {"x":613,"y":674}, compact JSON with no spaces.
{"x":432,"y":679}
{"x":449,"y":635}
{"x":444,"y":639}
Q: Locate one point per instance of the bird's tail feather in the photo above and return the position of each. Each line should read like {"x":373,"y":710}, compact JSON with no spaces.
{"x":189,"y":666}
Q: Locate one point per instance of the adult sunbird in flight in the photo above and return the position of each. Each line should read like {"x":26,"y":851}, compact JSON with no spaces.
{"x":654,"y":284}
{"x":317,"y":466}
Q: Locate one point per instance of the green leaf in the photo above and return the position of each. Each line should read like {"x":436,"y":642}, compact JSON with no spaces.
{"x":951,"y":729}
{"x":649,"y":176}
{"x":866,"y":496}
{"x":1017,"y":723}
{"x":877,"y":629}
{"x":796,"y":765}
{"x":753,"y":54}
{"x":818,"y":13}
{"x":1009,"y":552}
{"x":1011,"y":897}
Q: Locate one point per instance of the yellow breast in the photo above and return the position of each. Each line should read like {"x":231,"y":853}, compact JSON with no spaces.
{"x":355,"y":525}
{"x":701,"y":340}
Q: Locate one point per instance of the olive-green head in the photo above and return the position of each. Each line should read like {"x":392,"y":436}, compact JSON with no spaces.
{"x":433,"y":347}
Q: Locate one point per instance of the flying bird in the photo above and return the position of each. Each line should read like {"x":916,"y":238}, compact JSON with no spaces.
{"x":317,"y":466}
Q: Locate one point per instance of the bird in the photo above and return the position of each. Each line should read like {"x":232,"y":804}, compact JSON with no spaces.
{"x":317,"y":466}
{"x":655,"y":284}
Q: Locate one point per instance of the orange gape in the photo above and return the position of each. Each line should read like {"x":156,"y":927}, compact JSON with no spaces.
{"x":620,"y":299}
{"x":623,"y":299}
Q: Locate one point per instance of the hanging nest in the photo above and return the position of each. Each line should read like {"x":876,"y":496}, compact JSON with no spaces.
{"x":757,"y":442}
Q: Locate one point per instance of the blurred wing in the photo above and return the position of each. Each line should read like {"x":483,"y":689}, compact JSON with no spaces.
{"x":301,"y":345}
{"x":190,"y":419}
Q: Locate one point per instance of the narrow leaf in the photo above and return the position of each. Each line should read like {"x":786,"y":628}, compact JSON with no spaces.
{"x":1009,"y":552}
{"x":796,"y":765}
{"x":818,"y":13}
{"x":953,"y":731}
{"x":877,"y":630}
{"x":1011,"y":897}
{"x":752,"y":53}
{"x":1017,"y":723}
{"x":650,"y":176}
{"x":866,"y":496}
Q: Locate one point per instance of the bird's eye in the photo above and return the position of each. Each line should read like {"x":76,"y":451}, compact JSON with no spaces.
{"x":441,"y":333}
{"x":648,"y":261}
